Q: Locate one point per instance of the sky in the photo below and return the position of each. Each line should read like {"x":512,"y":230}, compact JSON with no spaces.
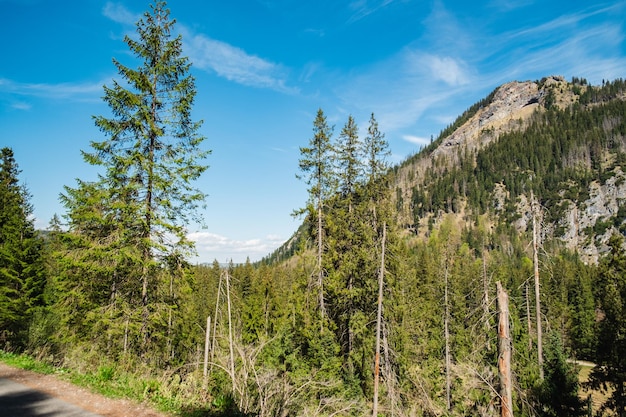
{"x":263,"y":68}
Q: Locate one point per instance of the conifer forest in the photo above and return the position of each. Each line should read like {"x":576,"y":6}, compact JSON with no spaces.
{"x":447,"y":285}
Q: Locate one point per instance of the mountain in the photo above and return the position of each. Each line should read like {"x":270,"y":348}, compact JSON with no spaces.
{"x":566,"y":141}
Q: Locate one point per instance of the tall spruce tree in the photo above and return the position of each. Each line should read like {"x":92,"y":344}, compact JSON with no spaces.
{"x":348,"y":159}
{"x":135,"y":214}
{"x":316,"y":165}
{"x":376,"y":150}
{"x":22,"y":278}
{"x":611,"y":337}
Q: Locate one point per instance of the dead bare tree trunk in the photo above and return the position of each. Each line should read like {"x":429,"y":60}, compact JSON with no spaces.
{"x":217,"y":304}
{"x":504,"y":353}
{"x":537,"y":291}
{"x":379,"y":314}
{"x":486,"y":297}
{"x":528,"y":318}
{"x":230,"y":334}
{"x":207,"y":340}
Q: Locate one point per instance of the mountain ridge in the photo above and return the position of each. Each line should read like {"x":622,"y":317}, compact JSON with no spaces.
{"x":584,"y":225}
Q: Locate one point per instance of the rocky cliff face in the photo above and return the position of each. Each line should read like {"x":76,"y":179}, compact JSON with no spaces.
{"x":584,"y":227}
{"x":588,"y":228}
{"x":512,"y":104}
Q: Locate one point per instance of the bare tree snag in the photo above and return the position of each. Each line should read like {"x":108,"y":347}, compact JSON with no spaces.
{"x":504,"y":353}
{"x":230,"y":334}
{"x":379,"y":315}
{"x":217,"y":310}
{"x":537,"y":293}
{"x":486,"y":313}
{"x":207,"y":341}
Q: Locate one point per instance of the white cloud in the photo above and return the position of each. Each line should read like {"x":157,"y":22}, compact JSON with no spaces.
{"x":448,"y":70}
{"x":20,"y":105}
{"x":212,"y":246}
{"x":416,"y":139}
{"x":73,"y":91}
{"x":400,"y":90}
{"x":509,"y":5}
{"x":234,"y":63}
{"x":120,"y":14}
{"x":212,"y":55}
{"x":363,"y":8}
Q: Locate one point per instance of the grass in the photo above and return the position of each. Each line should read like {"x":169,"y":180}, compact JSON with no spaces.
{"x":27,"y":362}
{"x":597,"y":397}
{"x":107,"y":381}
{"x":168,"y":393}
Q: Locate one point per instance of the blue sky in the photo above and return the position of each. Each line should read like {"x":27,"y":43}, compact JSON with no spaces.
{"x":264,"y":67}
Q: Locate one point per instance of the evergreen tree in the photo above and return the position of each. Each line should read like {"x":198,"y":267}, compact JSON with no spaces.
{"x":348,"y":157}
{"x":132,"y":219}
{"x":611,"y":336}
{"x":316,"y":164}
{"x":558,"y":392}
{"x":376,"y":150}
{"x":22,"y":278}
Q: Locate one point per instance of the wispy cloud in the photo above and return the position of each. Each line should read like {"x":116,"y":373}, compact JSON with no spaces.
{"x":211,"y":55}
{"x":120,"y":14}
{"x":416,"y":139}
{"x":234,"y":63}
{"x":212,"y":246}
{"x":363,"y":8}
{"x":20,"y":105}
{"x":417,"y":86}
{"x":585,"y":44}
{"x":452,"y":71}
{"x":510,"y":5}
{"x":69,"y":91}
{"x":402,"y":88}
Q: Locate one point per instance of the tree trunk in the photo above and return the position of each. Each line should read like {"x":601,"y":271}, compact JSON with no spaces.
{"x":217,"y":304}
{"x":528,"y":318}
{"x":379,"y":314}
{"x":504,"y":353}
{"x":320,"y":273}
{"x":486,"y":314}
{"x":537,"y":293}
{"x":230,"y":334}
{"x":207,"y":339}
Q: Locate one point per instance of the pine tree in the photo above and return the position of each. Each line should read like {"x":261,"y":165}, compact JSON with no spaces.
{"x":558,"y":392}
{"x":317,"y":167}
{"x":348,"y":156}
{"x":611,"y":336}
{"x":22,"y":278}
{"x":133,"y":219}
{"x":376,"y":150}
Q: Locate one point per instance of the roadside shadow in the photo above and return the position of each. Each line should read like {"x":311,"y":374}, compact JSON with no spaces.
{"x":17,"y":400}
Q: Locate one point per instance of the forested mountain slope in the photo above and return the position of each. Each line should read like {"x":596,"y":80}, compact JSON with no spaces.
{"x":565,"y":141}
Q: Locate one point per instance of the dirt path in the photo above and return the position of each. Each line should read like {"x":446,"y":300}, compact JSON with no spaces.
{"x":81,"y":397}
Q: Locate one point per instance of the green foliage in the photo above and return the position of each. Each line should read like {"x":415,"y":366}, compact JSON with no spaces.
{"x":557,"y":394}
{"x":22,"y":278}
{"x":121,"y":278}
{"x":611,"y":336}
